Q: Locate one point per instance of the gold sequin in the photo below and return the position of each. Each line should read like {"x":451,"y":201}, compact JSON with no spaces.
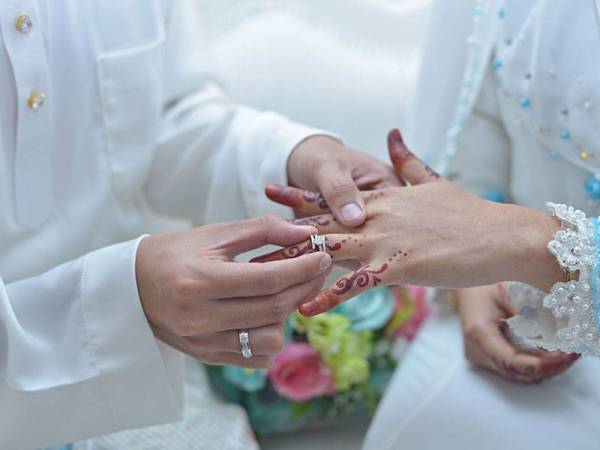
{"x":583,"y":155}
{"x":36,"y":100}
{"x":23,"y":24}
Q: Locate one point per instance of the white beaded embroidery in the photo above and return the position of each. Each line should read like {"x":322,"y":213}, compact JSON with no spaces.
{"x":564,"y":318}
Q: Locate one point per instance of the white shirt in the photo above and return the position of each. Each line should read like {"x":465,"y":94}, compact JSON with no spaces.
{"x":132,"y":137}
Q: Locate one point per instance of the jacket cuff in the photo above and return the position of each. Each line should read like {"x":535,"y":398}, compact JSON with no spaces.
{"x":142,"y":379}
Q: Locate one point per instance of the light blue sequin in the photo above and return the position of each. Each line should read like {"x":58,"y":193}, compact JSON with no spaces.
{"x":554,"y":153}
{"x":496,"y":63}
{"x":501,"y":13}
{"x":565,"y":135}
{"x":596,"y":273}
{"x":525,"y":102}
{"x":592,"y":188}
{"x":494,"y":195}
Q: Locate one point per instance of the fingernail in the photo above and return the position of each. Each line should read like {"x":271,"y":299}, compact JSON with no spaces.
{"x":325,"y":262}
{"x":310,"y":308}
{"x":395,"y":133}
{"x":351,"y":212}
{"x":274,"y":190}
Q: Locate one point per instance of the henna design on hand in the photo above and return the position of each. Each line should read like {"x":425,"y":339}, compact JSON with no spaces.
{"x":361,"y":277}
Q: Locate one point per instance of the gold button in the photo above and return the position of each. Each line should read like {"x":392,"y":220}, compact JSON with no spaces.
{"x":23,"y":24}
{"x":36,"y":100}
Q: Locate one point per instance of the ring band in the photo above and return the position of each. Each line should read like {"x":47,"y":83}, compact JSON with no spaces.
{"x":318,"y":242}
{"x":244,"y":336}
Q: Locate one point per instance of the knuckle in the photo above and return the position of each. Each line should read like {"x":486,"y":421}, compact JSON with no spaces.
{"x":274,"y":341}
{"x":279,"y":312}
{"x":274,"y":282}
{"x":474,"y":332}
{"x":339,"y":187}
{"x":183,"y":287}
{"x":269,"y":220}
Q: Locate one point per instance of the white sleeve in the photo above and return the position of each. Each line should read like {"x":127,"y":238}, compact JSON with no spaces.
{"x":77,"y":357}
{"x":482,"y":161}
{"x":214,"y":157}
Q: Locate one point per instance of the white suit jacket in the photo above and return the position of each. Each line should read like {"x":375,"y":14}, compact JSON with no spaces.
{"x":109,"y":128}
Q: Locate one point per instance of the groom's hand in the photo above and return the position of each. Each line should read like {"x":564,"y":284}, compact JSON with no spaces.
{"x":322,"y":164}
{"x":197,"y":298}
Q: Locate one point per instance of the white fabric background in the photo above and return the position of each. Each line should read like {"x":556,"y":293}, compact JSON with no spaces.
{"x":347,"y":66}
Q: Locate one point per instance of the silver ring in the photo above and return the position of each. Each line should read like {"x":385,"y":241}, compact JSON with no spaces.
{"x":318,"y":242}
{"x":245,"y":344}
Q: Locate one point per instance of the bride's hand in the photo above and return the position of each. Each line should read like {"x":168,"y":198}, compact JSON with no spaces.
{"x":430,"y":233}
{"x":482,"y":311}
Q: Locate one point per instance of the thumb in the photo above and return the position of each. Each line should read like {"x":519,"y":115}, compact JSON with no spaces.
{"x":408,"y":166}
{"x":343,"y":197}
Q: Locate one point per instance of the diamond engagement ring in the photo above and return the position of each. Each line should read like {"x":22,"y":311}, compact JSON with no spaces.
{"x":318,"y":242}
{"x":245,"y":344}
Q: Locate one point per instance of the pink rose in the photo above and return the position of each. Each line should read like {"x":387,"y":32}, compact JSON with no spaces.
{"x":299,"y":373}
{"x":418,"y":294}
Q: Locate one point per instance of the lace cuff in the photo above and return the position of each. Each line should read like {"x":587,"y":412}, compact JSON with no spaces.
{"x":567,"y":318}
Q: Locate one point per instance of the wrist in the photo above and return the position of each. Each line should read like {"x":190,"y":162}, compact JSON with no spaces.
{"x":527,"y":258}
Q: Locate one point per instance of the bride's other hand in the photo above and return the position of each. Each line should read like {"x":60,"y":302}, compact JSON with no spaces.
{"x":431,"y":233}
{"x":482,"y":313}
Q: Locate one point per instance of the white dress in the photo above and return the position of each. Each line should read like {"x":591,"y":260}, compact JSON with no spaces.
{"x":515,"y":114}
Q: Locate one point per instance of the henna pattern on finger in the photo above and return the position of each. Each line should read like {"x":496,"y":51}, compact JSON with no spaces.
{"x":287,"y":253}
{"x":314,"y":198}
{"x":315,"y":221}
{"x":400,"y":154}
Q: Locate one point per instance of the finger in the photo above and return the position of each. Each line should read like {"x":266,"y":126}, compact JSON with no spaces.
{"x":245,"y":235}
{"x":339,"y":247}
{"x":505,"y":302}
{"x":506,"y":358}
{"x":239,"y":313}
{"x":408,"y":166}
{"x":231,"y":359}
{"x":343,"y":196}
{"x":267,"y":340}
{"x":347,"y":287}
{"x":232,"y":279}
{"x":324,"y":223}
{"x":218,"y":358}
{"x":301,"y":200}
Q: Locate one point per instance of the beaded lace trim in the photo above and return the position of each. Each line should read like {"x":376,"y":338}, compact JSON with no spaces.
{"x":568,"y":317}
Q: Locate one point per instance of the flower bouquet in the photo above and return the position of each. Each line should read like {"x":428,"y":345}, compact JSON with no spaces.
{"x":334,"y":365}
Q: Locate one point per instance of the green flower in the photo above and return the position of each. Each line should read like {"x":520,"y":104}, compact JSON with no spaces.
{"x":324,"y":332}
{"x":350,"y":365}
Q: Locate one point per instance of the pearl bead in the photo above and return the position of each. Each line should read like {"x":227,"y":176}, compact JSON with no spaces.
{"x":576,"y":299}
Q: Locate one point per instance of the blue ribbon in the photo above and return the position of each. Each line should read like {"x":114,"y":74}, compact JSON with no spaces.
{"x":596,"y":272}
